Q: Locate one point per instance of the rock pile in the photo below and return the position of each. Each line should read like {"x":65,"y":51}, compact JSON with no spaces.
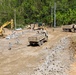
{"x":57,"y":61}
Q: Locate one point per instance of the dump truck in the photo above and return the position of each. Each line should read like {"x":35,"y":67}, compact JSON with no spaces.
{"x":38,"y":38}
{"x":69,"y":28}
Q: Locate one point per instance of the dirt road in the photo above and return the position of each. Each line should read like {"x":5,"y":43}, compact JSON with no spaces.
{"x":22,"y":58}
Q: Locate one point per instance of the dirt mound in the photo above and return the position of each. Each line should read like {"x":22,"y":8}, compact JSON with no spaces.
{"x":73,"y":65}
{"x":7,"y":31}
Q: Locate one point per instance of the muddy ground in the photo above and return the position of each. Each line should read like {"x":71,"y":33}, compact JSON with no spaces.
{"x":55,"y":57}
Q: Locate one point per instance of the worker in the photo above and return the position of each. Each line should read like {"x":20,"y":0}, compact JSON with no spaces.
{"x":73,"y":26}
{"x":10,"y":45}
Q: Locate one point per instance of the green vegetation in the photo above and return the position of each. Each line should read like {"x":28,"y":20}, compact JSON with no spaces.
{"x":33,"y":11}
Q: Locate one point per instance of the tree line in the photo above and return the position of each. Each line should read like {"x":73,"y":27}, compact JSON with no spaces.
{"x":35,"y":11}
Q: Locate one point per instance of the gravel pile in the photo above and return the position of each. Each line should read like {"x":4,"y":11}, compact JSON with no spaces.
{"x":16,"y":34}
{"x":57,"y":61}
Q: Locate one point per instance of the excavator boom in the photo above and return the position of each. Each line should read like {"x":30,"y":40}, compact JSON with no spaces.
{"x":6,"y":24}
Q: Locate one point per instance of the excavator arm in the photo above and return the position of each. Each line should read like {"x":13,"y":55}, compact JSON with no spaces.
{"x":6,"y":24}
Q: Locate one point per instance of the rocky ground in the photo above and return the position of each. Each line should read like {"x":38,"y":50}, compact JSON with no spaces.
{"x":54,"y":57}
{"x":58,"y":59}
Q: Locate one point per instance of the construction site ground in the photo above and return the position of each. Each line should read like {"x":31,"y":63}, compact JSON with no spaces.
{"x":23,"y":59}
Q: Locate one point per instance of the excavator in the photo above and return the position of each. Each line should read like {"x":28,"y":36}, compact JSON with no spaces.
{"x":4,"y":25}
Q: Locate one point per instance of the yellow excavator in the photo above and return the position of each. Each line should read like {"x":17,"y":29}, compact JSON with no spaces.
{"x":4,"y":25}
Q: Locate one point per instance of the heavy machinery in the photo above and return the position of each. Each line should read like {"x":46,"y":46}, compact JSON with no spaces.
{"x":41,"y":26}
{"x":37,"y":26}
{"x":69,"y":28}
{"x":38,"y":38}
{"x":4,"y":25}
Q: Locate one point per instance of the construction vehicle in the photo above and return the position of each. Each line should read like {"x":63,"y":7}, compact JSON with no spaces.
{"x":41,"y":26}
{"x":36,"y":26}
{"x":69,"y":28}
{"x":38,"y":38}
{"x":4,"y":25}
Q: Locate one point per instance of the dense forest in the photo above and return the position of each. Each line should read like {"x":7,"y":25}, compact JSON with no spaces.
{"x":33,"y":11}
